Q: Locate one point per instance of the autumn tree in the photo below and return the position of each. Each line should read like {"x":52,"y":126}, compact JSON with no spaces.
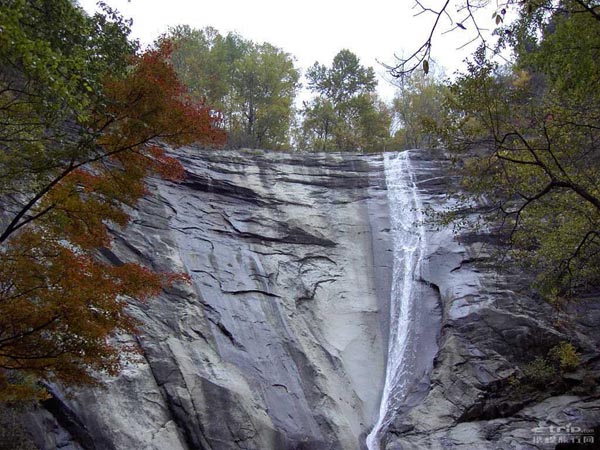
{"x":535,"y":125}
{"x":253,"y":85}
{"x":81,"y":115}
{"x":345,"y":113}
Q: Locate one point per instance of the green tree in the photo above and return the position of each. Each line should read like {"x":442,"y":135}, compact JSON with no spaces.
{"x":536,"y":126}
{"x":374,"y":120}
{"x":265,"y":82}
{"x":345,"y":78}
{"x":345,"y":114}
{"x":417,"y":111}
{"x":52,"y":60}
{"x":204,"y":61}
{"x":252,"y":85}
{"x":318,"y":125}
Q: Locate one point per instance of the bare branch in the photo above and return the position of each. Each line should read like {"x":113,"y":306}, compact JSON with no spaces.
{"x":423,"y":52}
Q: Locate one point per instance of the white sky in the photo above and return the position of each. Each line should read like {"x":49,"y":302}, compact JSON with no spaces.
{"x":310,"y":30}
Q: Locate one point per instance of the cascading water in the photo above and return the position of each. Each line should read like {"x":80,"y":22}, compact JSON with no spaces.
{"x":408,"y":234}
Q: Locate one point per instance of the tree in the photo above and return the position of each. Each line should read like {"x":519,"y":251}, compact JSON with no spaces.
{"x":49,"y":77}
{"x":80,"y":117}
{"x":344,"y":79}
{"x":374,"y":120}
{"x":346,"y":113}
{"x":318,"y":126}
{"x":535,"y":124}
{"x":253,"y":85}
{"x":417,"y":111}
{"x":264,"y":86}
{"x":204,"y":61}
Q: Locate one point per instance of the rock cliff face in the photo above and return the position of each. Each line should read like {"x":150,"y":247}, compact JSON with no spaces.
{"x":280,"y":340}
{"x":491,"y":327}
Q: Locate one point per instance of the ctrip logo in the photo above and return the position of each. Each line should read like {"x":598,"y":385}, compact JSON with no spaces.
{"x":567,"y":434}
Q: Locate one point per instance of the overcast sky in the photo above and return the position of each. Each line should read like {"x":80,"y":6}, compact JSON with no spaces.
{"x":310,"y":30}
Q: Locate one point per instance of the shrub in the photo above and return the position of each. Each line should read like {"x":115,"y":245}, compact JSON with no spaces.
{"x":539,"y":371}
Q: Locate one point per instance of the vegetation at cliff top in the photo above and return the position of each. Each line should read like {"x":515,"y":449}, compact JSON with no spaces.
{"x":255,"y":86}
{"x":252,"y":85}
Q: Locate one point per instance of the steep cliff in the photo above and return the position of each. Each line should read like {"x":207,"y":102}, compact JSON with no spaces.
{"x":492,"y":327}
{"x":278,"y":342}
{"x":281,"y":340}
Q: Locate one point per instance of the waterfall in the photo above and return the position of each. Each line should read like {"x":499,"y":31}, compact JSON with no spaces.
{"x":408,"y":234}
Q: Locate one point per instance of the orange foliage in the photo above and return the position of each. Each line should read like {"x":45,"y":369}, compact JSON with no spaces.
{"x":60,"y":305}
{"x":151,"y":103}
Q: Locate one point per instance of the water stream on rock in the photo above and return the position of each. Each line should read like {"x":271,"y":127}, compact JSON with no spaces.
{"x":408,"y":234}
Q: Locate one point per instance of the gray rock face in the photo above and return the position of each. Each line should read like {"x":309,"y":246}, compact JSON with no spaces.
{"x":490,"y":329}
{"x":280,"y":340}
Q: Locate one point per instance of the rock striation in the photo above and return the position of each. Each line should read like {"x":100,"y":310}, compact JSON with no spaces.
{"x":280,"y":340}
